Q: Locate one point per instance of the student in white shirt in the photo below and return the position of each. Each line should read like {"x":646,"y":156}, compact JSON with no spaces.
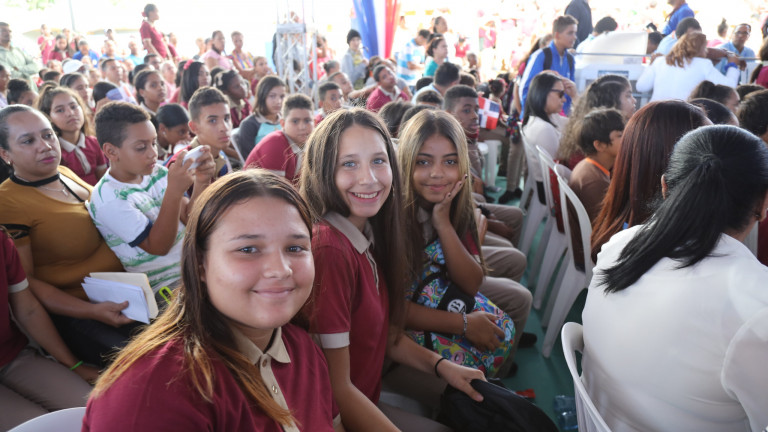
{"x":676,"y":316}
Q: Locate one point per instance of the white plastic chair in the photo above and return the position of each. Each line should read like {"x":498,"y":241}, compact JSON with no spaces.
{"x":66,"y":420}
{"x":572,"y":280}
{"x":553,"y":244}
{"x":535,"y":212}
{"x":589,"y":418}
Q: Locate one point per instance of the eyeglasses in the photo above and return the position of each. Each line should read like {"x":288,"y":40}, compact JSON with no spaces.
{"x":560,"y":93}
{"x":742,"y":33}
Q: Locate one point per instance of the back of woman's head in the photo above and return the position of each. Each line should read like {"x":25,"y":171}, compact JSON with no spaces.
{"x":710,"y":90}
{"x":16,"y":89}
{"x":717,"y":113}
{"x":642,"y":159}
{"x":191,"y":318}
{"x":496,"y":87}
{"x":686,"y":48}
{"x":171,"y":115}
{"x":716,"y":183}
{"x":536,"y":101}
{"x":190,"y":79}
{"x":392,"y":114}
{"x":266,"y":84}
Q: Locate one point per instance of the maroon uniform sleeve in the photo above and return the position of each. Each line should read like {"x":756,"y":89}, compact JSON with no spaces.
{"x":13,"y":269}
{"x":334,"y":285}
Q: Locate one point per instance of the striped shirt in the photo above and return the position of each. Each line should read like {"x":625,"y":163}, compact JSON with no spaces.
{"x":124,"y":214}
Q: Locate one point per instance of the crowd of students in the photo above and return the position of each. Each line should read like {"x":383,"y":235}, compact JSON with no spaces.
{"x":360,"y":218}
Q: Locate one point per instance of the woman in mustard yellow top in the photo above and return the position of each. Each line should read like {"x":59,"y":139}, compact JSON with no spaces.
{"x":42,"y":206}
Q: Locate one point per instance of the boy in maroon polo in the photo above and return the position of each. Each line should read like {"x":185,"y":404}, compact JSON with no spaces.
{"x":387,"y":90}
{"x":281,"y":151}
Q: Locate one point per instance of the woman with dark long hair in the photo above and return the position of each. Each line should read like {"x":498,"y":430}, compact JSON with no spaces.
{"x":542,"y":122}
{"x":677,"y":310}
{"x":643,"y":157}
{"x":195,"y":75}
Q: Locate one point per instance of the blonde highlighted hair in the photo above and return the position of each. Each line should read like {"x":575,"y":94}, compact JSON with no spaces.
{"x":687,"y":47}
{"x":413,"y":135}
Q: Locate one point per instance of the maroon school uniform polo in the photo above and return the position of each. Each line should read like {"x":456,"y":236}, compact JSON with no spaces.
{"x":351,"y":307}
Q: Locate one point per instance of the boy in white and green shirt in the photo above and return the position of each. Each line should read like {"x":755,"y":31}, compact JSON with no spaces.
{"x":139,"y":206}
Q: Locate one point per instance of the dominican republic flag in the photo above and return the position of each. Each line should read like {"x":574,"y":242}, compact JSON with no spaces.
{"x":488,"y":113}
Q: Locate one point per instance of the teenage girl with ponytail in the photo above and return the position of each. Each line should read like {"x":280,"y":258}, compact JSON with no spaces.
{"x":676,"y":316}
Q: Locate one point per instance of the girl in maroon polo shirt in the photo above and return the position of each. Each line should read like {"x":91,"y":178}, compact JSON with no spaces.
{"x":348,"y":175}
{"x":80,"y":151}
{"x":224,"y":355}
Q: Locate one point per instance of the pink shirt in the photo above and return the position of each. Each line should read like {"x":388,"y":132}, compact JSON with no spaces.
{"x":223,"y":61}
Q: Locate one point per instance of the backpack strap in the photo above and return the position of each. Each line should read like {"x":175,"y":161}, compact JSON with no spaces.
{"x":547,"y":51}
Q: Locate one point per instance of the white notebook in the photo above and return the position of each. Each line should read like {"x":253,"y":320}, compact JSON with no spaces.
{"x":118,"y":287}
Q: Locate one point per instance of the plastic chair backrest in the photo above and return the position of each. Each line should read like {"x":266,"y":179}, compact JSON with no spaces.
{"x":563,"y":171}
{"x":590,"y":419}
{"x":568,"y":195}
{"x":531,"y":155}
{"x":547,"y":164}
{"x":66,"y":420}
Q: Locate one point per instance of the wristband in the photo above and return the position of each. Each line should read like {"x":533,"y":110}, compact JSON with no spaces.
{"x":77,"y":365}
{"x":464,"y":317}
{"x":436,"y":373}
{"x":730,"y":65}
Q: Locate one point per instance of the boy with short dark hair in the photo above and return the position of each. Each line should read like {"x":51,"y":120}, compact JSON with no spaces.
{"x":556,"y":58}
{"x":211,"y":122}
{"x":138,"y":205}
{"x":331,"y":100}
{"x":429,"y":97}
{"x":386,"y":91}
{"x":281,"y":151}
{"x":600,"y":141}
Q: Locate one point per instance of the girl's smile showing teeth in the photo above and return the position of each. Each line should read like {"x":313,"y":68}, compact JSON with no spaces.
{"x":366,"y":196}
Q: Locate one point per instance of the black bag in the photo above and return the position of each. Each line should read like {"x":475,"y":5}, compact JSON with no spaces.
{"x":501,"y":410}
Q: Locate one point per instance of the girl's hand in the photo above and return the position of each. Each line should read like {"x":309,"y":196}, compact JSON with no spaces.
{"x":482,"y":224}
{"x":483,"y":332}
{"x":460,"y":377}
{"x":441,"y":212}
